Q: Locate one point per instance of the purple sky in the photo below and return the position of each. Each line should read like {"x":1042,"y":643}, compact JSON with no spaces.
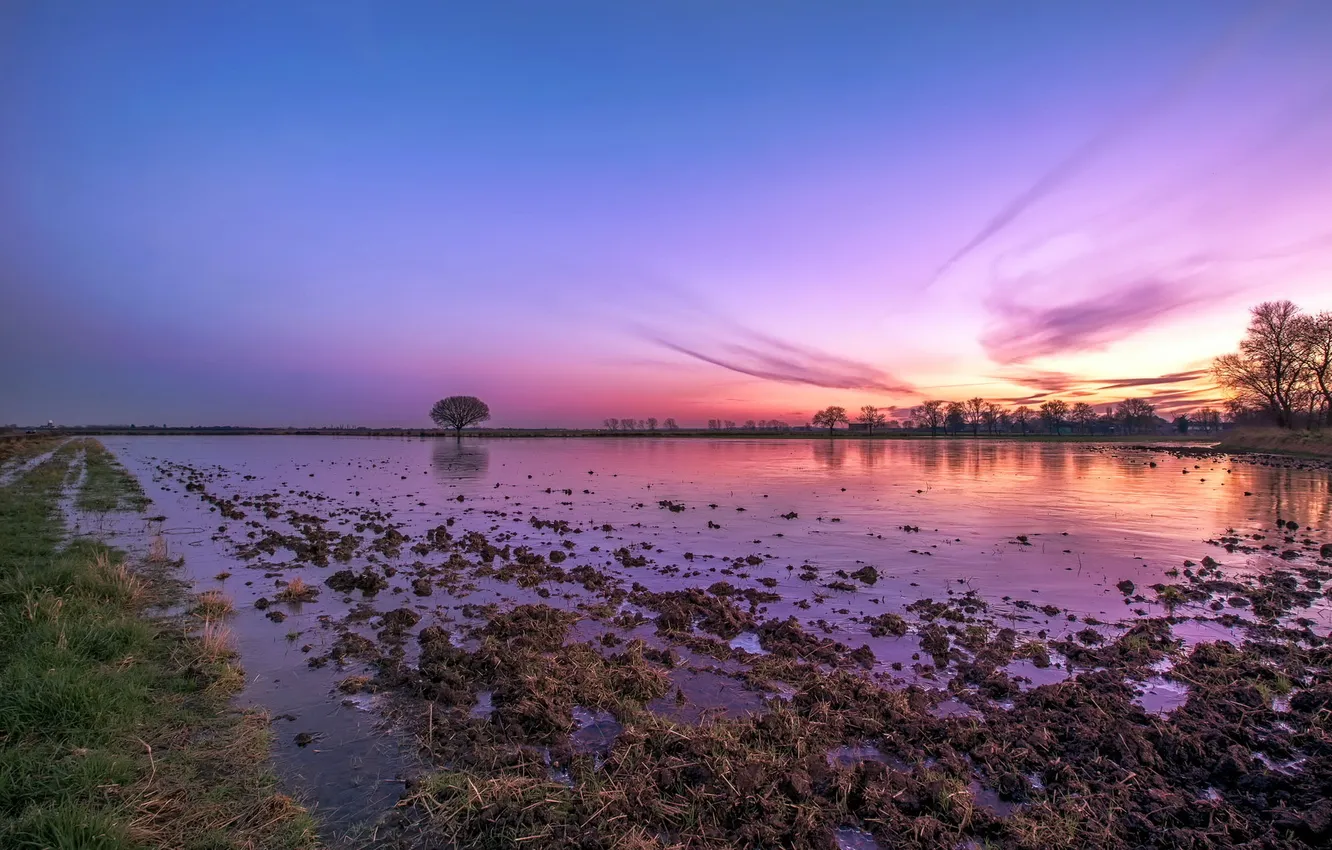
{"x":328,"y":213}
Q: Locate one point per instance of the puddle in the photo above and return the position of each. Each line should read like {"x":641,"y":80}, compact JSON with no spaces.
{"x":1162,"y":696}
{"x":953,"y":708}
{"x":850,"y":756}
{"x":988,"y":799}
{"x":855,"y":838}
{"x":484,"y":705}
{"x":706,"y":694}
{"x":596,"y":730}
{"x":749,"y":642}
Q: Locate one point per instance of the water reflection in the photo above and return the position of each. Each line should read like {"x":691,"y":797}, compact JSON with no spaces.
{"x":456,"y":459}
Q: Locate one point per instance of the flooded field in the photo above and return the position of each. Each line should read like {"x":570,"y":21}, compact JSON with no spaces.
{"x":874,"y":631}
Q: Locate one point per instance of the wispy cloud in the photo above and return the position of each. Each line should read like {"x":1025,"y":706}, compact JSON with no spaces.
{"x":771,"y":359}
{"x":1024,"y":331}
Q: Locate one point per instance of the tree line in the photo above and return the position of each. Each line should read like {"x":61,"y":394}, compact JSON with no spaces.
{"x":1282,"y":373}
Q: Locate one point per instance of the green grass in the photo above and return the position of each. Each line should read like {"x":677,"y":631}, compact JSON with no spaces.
{"x":116,"y":729}
{"x":108,"y":486}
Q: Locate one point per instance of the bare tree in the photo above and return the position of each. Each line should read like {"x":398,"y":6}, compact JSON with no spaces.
{"x":1022,"y":417}
{"x":611,"y":424}
{"x":829,"y":417}
{"x":975,"y":412}
{"x":729,"y":424}
{"x":991,"y":415}
{"x":751,"y":425}
{"x":1315,"y":344}
{"x":459,"y":411}
{"x":1268,"y":370}
{"x":670,"y":425}
{"x":1136,"y":413}
{"x":931,"y":414}
{"x":1053,"y":413}
{"x":1208,"y":419}
{"x":1085,"y":415}
{"x":871,"y":418}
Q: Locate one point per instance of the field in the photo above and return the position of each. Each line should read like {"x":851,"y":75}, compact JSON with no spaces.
{"x":716,"y":643}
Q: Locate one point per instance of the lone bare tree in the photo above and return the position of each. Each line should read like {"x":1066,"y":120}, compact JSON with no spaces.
{"x":1268,"y":370}
{"x":459,"y":411}
{"x":829,"y":417}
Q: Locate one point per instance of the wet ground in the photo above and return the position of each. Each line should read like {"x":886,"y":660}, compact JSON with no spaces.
{"x":693,"y":570}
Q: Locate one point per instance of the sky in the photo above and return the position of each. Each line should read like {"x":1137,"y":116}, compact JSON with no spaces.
{"x":328,"y":213}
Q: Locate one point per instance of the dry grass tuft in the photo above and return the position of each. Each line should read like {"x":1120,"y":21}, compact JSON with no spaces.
{"x":157,"y":550}
{"x":298,"y":590}
{"x":216,"y":643}
{"x":213,"y":605}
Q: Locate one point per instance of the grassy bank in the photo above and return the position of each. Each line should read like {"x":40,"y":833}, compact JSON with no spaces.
{"x":116,"y":729}
{"x":1279,"y":441}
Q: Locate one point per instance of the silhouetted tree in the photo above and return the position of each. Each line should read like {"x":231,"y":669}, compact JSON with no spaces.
{"x":871,"y":418}
{"x":991,"y":415}
{"x":459,"y":411}
{"x":1182,"y":423}
{"x":1085,"y":415}
{"x":1268,"y":370}
{"x":931,"y":414}
{"x":1053,"y":413}
{"x":829,"y":417}
{"x":670,"y":425}
{"x":1208,"y":419}
{"x":955,"y":419}
{"x":975,"y":412}
{"x":1136,"y":414}
{"x":652,"y":423}
{"x":1314,"y":335}
{"x":1022,"y":418}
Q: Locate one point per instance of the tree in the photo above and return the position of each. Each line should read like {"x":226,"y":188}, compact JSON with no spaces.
{"x":1136,"y":413}
{"x":871,"y":418}
{"x":829,"y":417}
{"x":1053,"y":413}
{"x":459,"y":411}
{"x":955,"y":419}
{"x":611,"y":424}
{"x":670,"y":425}
{"x":1182,"y":423}
{"x":652,"y":423}
{"x":714,"y":424}
{"x":1268,"y":370}
{"x":750,"y":425}
{"x":1085,"y":415}
{"x":1315,"y":346}
{"x":1208,"y":419}
{"x":931,"y":414}
{"x":1022,"y":418}
{"x":991,"y":415}
{"x":975,"y":411}
{"x":729,"y":424}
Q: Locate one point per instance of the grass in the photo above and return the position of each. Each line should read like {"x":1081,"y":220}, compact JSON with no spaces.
{"x":297,"y":590}
{"x":116,"y":729}
{"x":108,"y":485}
{"x":1279,"y":441}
